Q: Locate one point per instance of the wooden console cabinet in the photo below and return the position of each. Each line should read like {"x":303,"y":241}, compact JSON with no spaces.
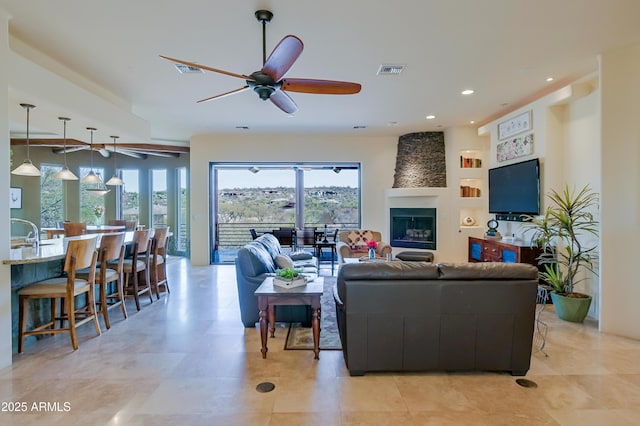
{"x":483,"y":250}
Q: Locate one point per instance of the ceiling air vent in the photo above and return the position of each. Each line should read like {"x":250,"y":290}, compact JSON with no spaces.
{"x":386,"y":69}
{"x":186,"y":69}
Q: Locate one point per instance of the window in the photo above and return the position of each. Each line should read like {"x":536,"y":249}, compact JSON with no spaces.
{"x":331,"y":197}
{"x":130,"y":196}
{"x":158,"y":197}
{"x":52,"y":197}
{"x":92,"y":206}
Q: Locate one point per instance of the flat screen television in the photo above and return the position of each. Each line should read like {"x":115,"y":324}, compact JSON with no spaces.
{"x":515,"y":188}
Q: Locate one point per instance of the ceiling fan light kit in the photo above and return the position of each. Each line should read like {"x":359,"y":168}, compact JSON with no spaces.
{"x":27,"y":168}
{"x":65,"y":173}
{"x":268,"y":82}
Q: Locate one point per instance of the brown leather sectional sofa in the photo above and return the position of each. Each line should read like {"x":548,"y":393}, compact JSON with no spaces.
{"x":419,"y":316}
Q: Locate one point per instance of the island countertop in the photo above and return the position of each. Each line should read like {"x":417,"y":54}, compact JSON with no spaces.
{"x":49,"y":249}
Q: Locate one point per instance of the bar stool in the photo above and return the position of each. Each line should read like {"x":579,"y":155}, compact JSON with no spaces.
{"x":109,"y":270}
{"x":158,"y":260}
{"x":136,"y":264}
{"x":81,"y":253}
{"x":73,"y":229}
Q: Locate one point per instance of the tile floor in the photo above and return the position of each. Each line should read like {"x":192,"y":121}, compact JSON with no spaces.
{"x":187,"y":360}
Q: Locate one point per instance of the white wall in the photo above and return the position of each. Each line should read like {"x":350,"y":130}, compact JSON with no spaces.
{"x":377,"y":156}
{"x":620,"y":200}
{"x":566,"y":128}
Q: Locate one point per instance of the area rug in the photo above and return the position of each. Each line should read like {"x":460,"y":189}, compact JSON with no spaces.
{"x":301,"y":338}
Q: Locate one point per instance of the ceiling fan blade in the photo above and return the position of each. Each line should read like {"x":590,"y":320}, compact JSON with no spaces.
{"x":204,"y":67}
{"x":222,"y":95}
{"x":284,"y":102}
{"x":322,"y":87}
{"x":132,"y":153}
{"x":69,"y":150}
{"x":283,"y":57}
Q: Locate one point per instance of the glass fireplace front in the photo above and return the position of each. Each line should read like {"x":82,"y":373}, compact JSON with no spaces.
{"x":413,"y":228}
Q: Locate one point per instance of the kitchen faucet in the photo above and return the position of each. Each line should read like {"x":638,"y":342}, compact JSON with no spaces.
{"x":35,"y":240}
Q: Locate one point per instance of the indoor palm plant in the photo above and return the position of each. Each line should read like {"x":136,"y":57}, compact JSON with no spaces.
{"x":565,"y":233}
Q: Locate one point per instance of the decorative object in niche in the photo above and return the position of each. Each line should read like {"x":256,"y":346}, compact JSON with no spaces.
{"x":518,"y":124}
{"x":420,"y":161}
{"x":514,"y":148}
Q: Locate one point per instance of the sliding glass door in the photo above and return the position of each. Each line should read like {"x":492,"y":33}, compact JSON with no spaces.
{"x":268,"y":196}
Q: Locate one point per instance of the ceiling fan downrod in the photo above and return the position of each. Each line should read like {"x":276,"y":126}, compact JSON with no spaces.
{"x":264,"y":16}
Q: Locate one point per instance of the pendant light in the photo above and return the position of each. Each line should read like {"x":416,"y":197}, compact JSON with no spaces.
{"x":92,"y":177}
{"x":27,"y":168}
{"x":115,"y":180}
{"x":65,"y":173}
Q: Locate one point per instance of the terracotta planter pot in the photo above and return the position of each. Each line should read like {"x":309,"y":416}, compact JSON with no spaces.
{"x":573,"y":309}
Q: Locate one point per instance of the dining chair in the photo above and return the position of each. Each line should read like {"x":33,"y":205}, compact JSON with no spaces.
{"x":285,"y":236}
{"x":116,"y":222}
{"x":254,"y":234}
{"x":109,"y":270}
{"x":306,"y":237}
{"x":73,"y":229}
{"x":158,"y":260}
{"x":80,"y":253}
{"x":135,"y":265}
{"x":130,"y":225}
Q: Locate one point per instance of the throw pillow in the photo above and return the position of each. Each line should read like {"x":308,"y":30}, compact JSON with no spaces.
{"x":283,"y":261}
{"x":300,"y":255}
{"x":357,"y":240}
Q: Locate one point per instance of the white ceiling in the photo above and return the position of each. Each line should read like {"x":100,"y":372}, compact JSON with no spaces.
{"x":503,"y":49}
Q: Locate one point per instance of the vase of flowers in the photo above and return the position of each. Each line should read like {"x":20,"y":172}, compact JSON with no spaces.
{"x":98,"y":211}
{"x":372,"y":248}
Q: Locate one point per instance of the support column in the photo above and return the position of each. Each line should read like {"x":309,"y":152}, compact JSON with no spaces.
{"x":5,"y":231}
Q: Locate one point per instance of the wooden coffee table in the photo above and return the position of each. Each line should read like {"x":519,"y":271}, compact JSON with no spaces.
{"x":270,"y":295}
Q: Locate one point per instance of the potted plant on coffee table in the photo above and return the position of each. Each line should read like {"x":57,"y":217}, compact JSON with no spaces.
{"x":289,"y":278}
{"x":565,"y":233}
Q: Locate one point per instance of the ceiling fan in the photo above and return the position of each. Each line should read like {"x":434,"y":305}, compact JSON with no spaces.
{"x":269,"y":83}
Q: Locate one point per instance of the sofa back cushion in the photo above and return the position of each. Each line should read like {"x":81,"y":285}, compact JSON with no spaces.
{"x":253,"y":260}
{"x":269,"y":243}
{"x":487,"y":271}
{"x":384,"y":271}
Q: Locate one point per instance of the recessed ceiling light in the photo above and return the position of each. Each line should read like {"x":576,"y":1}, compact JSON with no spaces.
{"x":359,"y":127}
{"x":430,"y":117}
{"x":472,"y":122}
{"x":468,"y":92}
{"x":392,"y":123}
{"x":242,"y":127}
{"x":549,"y":79}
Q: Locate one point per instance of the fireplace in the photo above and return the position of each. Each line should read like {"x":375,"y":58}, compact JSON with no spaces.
{"x":413,"y":228}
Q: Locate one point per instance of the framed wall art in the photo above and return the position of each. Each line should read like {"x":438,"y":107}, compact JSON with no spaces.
{"x":15,"y":198}
{"x":515,"y":147}
{"x":518,"y":124}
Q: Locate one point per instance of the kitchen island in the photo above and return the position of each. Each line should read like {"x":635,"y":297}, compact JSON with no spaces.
{"x":30,"y":264}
